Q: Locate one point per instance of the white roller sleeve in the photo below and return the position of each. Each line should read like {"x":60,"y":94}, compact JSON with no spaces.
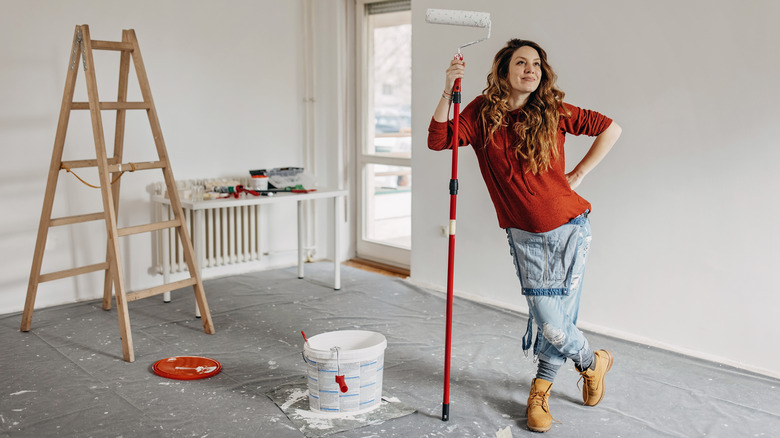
{"x":458,"y":18}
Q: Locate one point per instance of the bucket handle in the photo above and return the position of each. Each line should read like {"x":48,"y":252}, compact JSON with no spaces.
{"x":339,"y":377}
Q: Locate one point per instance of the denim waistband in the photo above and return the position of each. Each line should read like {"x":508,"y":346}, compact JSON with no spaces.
{"x":579,"y":220}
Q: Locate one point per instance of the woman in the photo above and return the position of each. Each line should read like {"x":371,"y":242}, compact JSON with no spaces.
{"x":517,"y":128}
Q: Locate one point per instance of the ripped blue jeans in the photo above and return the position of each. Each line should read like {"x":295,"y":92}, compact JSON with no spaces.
{"x":551,"y":267}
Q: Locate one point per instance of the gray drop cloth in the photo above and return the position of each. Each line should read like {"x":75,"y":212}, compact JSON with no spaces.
{"x":67,"y":378}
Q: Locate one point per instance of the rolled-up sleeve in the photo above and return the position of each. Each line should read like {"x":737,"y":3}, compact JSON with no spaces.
{"x":585,"y":122}
{"x":440,"y":133}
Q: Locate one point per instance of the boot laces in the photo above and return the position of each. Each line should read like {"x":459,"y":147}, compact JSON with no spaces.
{"x":540,"y":399}
{"x":590,"y":381}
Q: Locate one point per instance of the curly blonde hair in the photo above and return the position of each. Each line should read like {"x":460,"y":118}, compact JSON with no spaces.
{"x":537,"y":125}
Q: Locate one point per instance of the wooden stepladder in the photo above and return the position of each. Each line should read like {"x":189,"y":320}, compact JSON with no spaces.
{"x":109,"y":170}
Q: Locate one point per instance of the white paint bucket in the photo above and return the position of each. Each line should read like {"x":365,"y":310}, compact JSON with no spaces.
{"x":356,"y":355}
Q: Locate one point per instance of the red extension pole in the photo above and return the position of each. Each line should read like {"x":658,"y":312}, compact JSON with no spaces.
{"x":445,"y":416}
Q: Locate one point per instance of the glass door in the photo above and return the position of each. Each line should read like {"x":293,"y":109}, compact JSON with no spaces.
{"x":384,"y":149}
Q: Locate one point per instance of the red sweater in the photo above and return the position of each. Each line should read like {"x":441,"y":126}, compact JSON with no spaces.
{"x":533,"y":203}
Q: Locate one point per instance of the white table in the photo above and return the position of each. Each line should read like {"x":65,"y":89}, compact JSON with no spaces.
{"x":198,"y":209}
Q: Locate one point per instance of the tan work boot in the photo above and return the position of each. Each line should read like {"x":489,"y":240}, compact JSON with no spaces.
{"x":593,"y":390}
{"x":538,"y":411}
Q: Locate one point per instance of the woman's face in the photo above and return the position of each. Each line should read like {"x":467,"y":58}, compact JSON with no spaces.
{"x":525,"y":70}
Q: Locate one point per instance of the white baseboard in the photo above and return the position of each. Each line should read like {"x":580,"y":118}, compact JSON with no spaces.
{"x":631,"y":337}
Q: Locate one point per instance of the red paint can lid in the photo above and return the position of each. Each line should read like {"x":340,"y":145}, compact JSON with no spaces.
{"x":187,"y":367}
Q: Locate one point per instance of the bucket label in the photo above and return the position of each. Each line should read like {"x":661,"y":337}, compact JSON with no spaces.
{"x":363,"y":379}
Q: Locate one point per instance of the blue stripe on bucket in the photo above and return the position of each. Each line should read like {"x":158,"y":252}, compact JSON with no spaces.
{"x":349,"y":395}
{"x":329,"y":392}
{"x":373,"y":383}
{"x":356,"y":377}
{"x":329,"y":409}
{"x":313,"y":396}
{"x":369,"y":364}
{"x":327,"y":371}
{"x":365,"y":403}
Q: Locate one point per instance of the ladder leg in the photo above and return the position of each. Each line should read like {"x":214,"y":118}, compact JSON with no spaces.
{"x":119,"y":138}
{"x":51,"y":183}
{"x":173,"y":193}
{"x":114,"y":258}
{"x":126,"y":335}
{"x":192,"y":266}
{"x":108,"y":284}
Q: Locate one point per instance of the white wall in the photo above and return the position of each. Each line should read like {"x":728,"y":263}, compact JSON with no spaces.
{"x":227,"y":81}
{"x":685,"y":241}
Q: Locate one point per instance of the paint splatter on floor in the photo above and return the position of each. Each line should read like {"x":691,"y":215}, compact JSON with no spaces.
{"x":504,"y":433}
{"x":292,"y":398}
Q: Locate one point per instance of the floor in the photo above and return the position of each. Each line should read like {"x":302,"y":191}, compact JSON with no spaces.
{"x":66,"y":376}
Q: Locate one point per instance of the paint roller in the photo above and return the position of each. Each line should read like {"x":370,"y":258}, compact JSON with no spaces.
{"x":460,"y":18}
{"x":471,"y":19}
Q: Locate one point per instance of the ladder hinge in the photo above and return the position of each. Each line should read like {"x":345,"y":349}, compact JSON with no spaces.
{"x":73,"y":57}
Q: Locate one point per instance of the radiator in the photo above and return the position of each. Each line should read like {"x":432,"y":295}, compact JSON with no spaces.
{"x":229,"y":235}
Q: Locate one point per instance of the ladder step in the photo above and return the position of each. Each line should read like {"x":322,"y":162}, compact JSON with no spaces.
{"x":147,"y":228}
{"x":157,"y":290}
{"x":112,"y":105}
{"x":77,"y":219}
{"x":73,"y":272}
{"x":111,"y":45}
{"x":76,"y":164}
{"x":113,"y":166}
{"x":129,"y":167}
